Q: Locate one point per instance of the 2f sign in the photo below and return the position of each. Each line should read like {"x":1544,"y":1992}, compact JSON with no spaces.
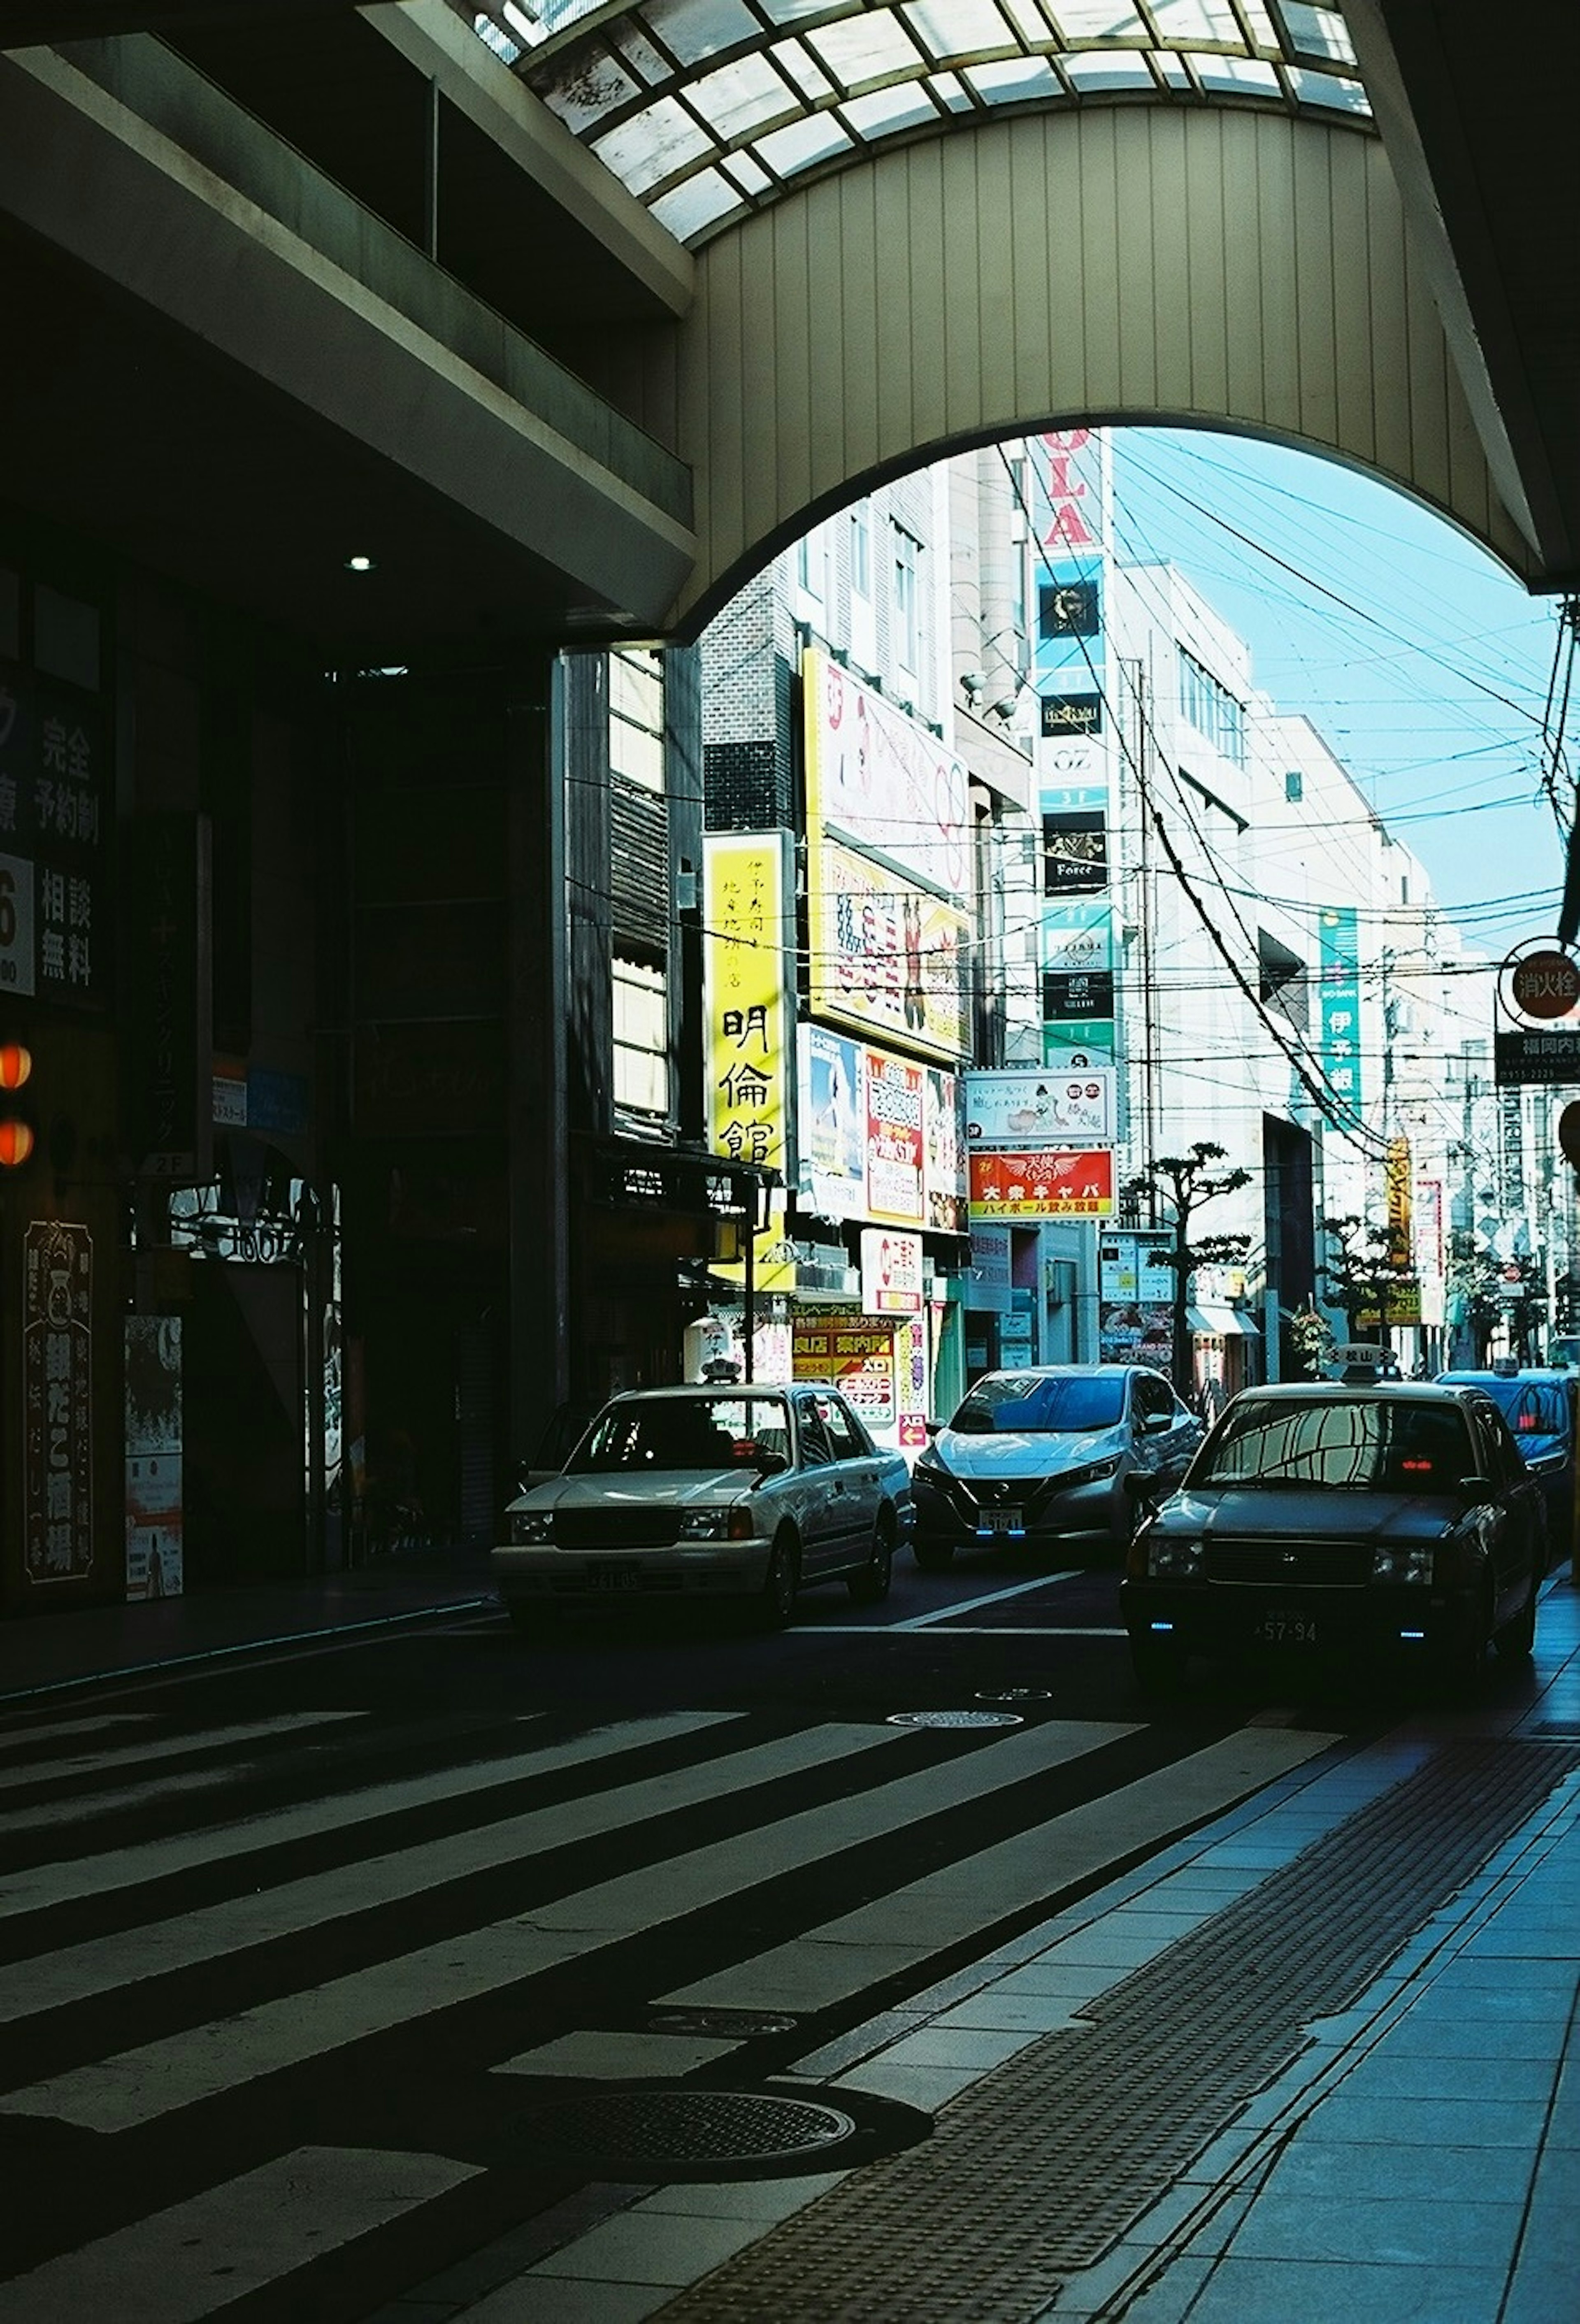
{"x":16,"y":954}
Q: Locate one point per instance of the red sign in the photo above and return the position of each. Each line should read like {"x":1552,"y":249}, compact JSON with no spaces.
{"x":1052,"y":1185}
{"x":1544,"y":984}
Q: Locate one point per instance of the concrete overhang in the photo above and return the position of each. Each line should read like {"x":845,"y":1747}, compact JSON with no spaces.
{"x":265,"y":379}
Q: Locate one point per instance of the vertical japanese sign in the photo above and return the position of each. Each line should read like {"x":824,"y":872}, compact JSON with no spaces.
{"x":744,"y":892}
{"x":944,"y":1173}
{"x":153,"y":1456}
{"x":53,"y":945}
{"x":57,"y":1352}
{"x":1339,"y":968}
{"x":1401,"y":1187}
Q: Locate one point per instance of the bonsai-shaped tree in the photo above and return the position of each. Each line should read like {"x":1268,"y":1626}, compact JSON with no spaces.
{"x":1185,"y":1183}
{"x":1359,"y":1277}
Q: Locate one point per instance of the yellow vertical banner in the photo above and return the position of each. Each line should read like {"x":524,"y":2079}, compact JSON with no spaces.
{"x":747,"y":1045}
{"x":1399,"y":1183}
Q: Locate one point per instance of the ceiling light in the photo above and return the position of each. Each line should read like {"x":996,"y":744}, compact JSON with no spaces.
{"x":359,"y":565}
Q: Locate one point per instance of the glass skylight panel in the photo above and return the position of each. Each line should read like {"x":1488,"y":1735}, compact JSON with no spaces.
{"x":950,"y":93}
{"x":1238,"y":76}
{"x":690,"y":209}
{"x":1029,"y":20}
{"x":742,"y":96}
{"x":864,"y":48}
{"x":746,"y":173}
{"x":818,"y":138}
{"x":591,"y":86}
{"x":1090,"y":71}
{"x":1185,"y":22}
{"x":791,"y":12}
{"x":1330,"y":89}
{"x":1017,"y":81}
{"x":1264,"y":33}
{"x":652,"y":145}
{"x":1100,"y":20}
{"x":960,"y":29}
{"x":695,"y":30}
{"x":629,"y":36}
{"x":801,"y":70}
{"x":1318,"y":31}
{"x":888,"y":110}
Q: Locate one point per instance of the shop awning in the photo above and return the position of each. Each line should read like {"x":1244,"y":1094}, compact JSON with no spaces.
{"x":1222,"y":1322}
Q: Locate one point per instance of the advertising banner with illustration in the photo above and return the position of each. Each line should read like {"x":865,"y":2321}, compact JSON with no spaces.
{"x":153,"y":1457}
{"x":831,"y":1127}
{"x":1028,"y":1106}
{"x":896,"y":1144}
{"x":882,"y":782}
{"x":748,"y":1055}
{"x":946,"y":1186}
{"x":1042,"y":1185}
{"x":887,"y":956}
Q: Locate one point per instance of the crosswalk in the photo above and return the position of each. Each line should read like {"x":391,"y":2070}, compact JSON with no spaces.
{"x":265,"y":2053}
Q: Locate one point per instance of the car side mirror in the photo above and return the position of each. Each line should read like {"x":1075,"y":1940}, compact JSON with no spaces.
{"x":933,"y":1427}
{"x":1141,"y":1485}
{"x":1475,"y":1487}
{"x":1156,"y":1423}
{"x":769,"y":1464}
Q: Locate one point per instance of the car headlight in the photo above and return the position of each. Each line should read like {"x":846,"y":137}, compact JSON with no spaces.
{"x":1091,"y":1472}
{"x":927,"y":1465}
{"x":1412,"y":1564}
{"x":531,"y":1525}
{"x":733,"y":1524}
{"x":1171,"y":1558}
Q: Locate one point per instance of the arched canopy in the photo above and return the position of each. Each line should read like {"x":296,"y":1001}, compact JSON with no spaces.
{"x":708,"y":110}
{"x":1226,"y":267}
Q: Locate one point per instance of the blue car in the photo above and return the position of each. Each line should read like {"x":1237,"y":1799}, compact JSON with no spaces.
{"x":1539,"y":1407}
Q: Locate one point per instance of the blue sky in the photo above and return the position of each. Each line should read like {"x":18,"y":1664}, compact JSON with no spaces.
{"x":1424,"y":664}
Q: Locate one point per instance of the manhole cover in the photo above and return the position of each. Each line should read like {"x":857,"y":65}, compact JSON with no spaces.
{"x":744,"y":2022}
{"x":956,"y":1718}
{"x":655,"y":2127}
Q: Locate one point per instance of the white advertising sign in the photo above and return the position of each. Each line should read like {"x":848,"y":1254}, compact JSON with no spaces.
{"x":890,"y":1272}
{"x":1033,"y":1106}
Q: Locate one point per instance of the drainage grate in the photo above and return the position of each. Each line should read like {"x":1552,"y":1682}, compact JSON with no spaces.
{"x":1038,"y":2168}
{"x":955,"y":1719}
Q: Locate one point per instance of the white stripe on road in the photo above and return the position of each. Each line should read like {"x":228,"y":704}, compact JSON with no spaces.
{"x":161,"y":2077}
{"x":123,"y":1868}
{"x":975,"y":1605}
{"x":199,"y":2256}
{"x":846,"y":1956}
{"x":966,"y":1630}
{"x":53,"y":1730}
{"x":138,"y":1754}
{"x":109,"y":1964}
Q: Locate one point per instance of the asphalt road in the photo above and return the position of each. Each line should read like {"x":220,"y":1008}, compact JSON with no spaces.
{"x":292,"y":1947}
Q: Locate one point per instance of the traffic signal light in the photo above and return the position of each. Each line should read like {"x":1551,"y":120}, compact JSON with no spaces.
{"x":17,"y":1130}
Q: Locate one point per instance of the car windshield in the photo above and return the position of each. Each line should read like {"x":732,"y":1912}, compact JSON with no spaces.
{"x":690,"y":1432}
{"x":1039,"y":1404}
{"x":1343,"y":1443}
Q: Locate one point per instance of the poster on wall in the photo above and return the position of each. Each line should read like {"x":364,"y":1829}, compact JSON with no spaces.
{"x":831,"y":1133}
{"x":1042,"y":1185}
{"x":57,"y":1400}
{"x":153,"y":1456}
{"x":1135,"y":1310}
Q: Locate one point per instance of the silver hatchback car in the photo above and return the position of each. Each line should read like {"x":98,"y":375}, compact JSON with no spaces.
{"x":1035,"y":1456}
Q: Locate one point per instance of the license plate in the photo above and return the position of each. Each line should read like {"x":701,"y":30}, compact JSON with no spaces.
{"x":1000,"y":1521}
{"x":1285,"y":1628}
{"x":613,"y":1577}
